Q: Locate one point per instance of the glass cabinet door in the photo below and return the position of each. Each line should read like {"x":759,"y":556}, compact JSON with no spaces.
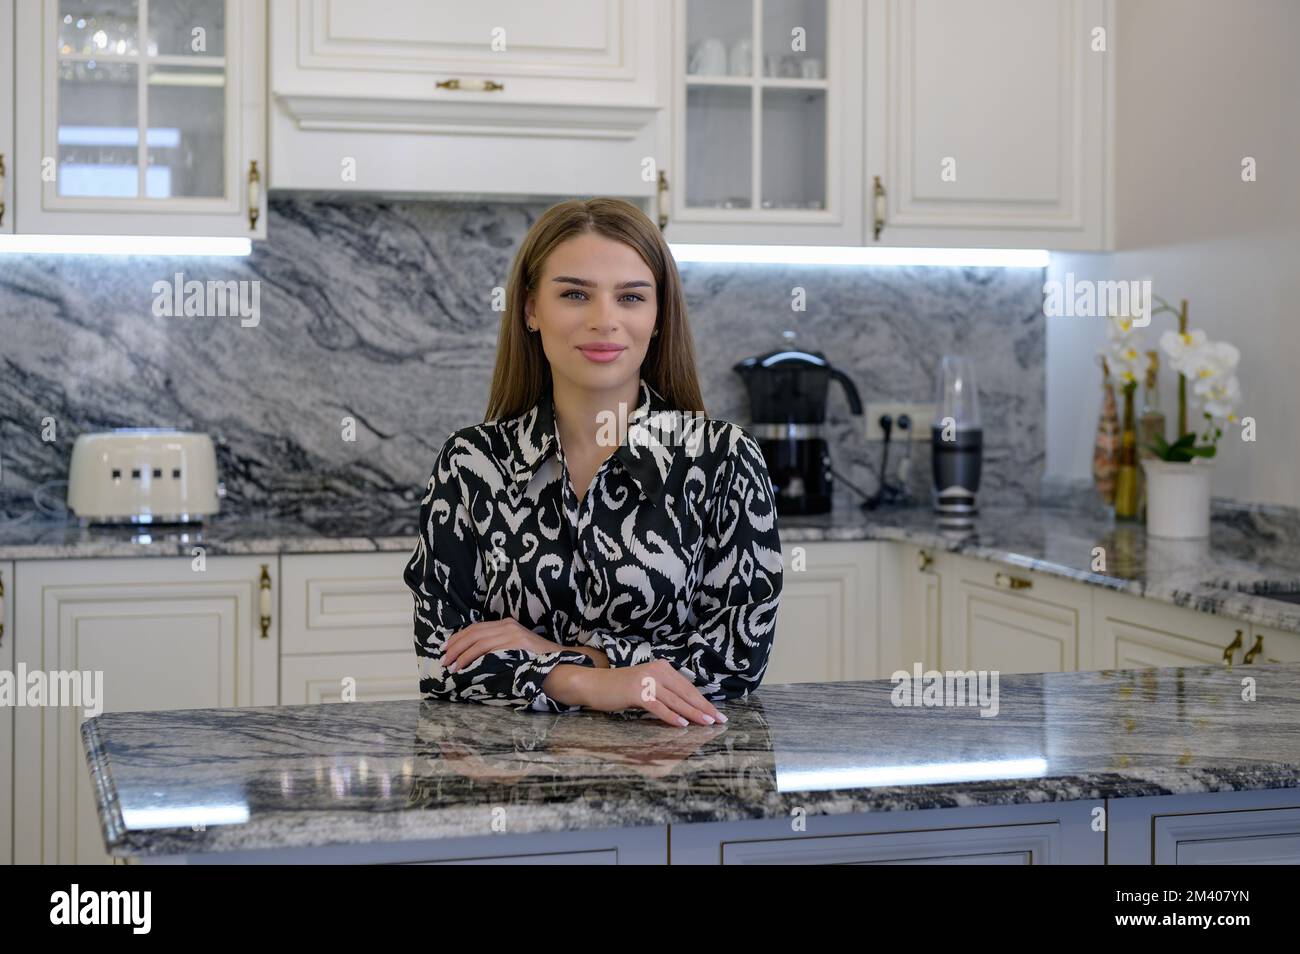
{"x":762,"y":100}
{"x":152,"y":110}
{"x":141,"y":102}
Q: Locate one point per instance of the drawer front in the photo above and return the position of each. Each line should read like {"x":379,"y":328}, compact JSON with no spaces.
{"x":346,"y":602}
{"x":1010,"y":844}
{"x":1229,"y":838}
{"x":1268,"y":645}
{"x":1136,"y":633}
{"x":1013,"y":620}
{"x":348,"y":677}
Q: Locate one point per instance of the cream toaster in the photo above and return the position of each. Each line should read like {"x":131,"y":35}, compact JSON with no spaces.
{"x":143,"y":475}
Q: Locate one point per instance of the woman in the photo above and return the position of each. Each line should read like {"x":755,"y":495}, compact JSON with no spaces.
{"x":597,"y":542}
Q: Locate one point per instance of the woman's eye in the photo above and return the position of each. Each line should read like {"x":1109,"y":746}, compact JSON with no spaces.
{"x":573,"y":291}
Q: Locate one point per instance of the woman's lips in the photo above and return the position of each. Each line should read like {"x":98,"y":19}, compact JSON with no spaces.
{"x":601,"y":354}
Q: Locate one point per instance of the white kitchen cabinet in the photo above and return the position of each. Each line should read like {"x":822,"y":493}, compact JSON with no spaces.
{"x":497,"y":97}
{"x":165,"y":633}
{"x":1224,"y":828}
{"x":988,"y":123}
{"x":922,"y":602}
{"x":6,"y":717}
{"x":141,"y":118}
{"x":6,"y":116}
{"x":1026,"y":834}
{"x":349,"y":677}
{"x":1134,"y":633}
{"x":346,"y":603}
{"x":767,"y":140}
{"x":827,"y":628}
{"x":1268,"y":645}
{"x":996,"y":616}
{"x":346,"y":629}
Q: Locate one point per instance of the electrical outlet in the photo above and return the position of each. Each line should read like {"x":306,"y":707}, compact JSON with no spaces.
{"x":921,"y":414}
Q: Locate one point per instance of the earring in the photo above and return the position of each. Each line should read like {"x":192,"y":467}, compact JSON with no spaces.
{"x":653,"y":333}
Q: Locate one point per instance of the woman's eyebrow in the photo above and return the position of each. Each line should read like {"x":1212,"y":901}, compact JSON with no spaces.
{"x":587,"y":283}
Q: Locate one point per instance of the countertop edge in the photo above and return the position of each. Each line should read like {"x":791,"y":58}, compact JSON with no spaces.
{"x":359,"y":828}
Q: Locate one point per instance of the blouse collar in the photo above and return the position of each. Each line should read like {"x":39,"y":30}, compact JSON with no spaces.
{"x":646,"y":452}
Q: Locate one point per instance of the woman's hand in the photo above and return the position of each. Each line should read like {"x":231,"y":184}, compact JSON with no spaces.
{"x":656,"y":687}
{"x":489,"y":636}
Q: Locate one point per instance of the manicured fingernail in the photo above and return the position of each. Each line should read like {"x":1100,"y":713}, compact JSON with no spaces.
{"x":681,"y":721}
{"x":708,"y":720}
{"x":722,"y":717}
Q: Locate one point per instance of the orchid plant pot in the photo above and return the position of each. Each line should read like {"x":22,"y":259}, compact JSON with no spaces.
{"x":1178,"y":498}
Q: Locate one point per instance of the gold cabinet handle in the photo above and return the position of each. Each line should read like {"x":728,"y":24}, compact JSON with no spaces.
{"x":923,"y":560}
{"x":662,"y":198}
{"x":472,"y":86}
{"x":878,"y":203}
{"x":2,"y":188}
{"x":1009,"y":582}
{"x":264,"y":600}
{"x":1231,"y":648}
{"x":254,"y":195}
{"x":1255,"y":650}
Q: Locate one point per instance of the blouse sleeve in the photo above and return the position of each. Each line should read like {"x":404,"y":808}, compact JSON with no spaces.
{"x":735,"y":603}
{"x":446,"y":576}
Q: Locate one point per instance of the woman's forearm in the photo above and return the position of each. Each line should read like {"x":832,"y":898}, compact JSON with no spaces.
{"x":567,"y":683}
{"x":597,"y":656}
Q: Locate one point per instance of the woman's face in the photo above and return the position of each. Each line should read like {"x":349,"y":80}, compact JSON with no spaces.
{"x":594,"y":306}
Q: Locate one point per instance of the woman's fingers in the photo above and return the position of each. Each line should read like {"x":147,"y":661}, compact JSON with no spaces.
{"x":460,"y":649}
{"x":480,"y":647}
{"x":663,"y":713}
{"x":684,"y":706}
{"x":688,"y":691}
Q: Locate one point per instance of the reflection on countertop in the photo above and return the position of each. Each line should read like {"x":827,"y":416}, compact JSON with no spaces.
{"x":296,"y":776}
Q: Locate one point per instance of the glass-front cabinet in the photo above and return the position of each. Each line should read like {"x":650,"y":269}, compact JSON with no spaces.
{"x":767,"y":118}
{"x":141,"y":117}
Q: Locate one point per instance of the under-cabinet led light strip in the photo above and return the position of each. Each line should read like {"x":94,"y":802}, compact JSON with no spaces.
{"x":168,"y":245}
{"x":849,"y":255}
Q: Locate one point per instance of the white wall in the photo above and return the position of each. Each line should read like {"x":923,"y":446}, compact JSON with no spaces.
{"x":1199,"y":84}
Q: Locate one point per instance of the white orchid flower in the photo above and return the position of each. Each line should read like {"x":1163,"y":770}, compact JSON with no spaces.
{"x":1180,"y":346}
{"x":1213,"y":360}
{"x":1220,"y":395}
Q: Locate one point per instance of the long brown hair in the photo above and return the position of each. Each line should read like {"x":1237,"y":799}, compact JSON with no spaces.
{"x":523,"y":375}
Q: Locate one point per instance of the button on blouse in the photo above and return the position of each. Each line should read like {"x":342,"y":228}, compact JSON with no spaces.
{"x":672,"y":553}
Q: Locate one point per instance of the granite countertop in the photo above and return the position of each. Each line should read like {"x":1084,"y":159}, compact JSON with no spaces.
{"x":204,"y":780}
{"x":1250,"y":559}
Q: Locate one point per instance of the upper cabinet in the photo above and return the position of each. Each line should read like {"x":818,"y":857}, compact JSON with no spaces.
{"x":766,"y":122}
{"x":6,"y":117}
{"x":495,"y":97}
{"x":988,"y":123}
{"x":141,"y":117}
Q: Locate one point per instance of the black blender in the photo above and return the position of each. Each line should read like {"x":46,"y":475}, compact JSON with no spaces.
{"x":787,"y":396}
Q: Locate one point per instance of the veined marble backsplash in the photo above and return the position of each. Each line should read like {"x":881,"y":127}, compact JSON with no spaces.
{"x":381,"y":312}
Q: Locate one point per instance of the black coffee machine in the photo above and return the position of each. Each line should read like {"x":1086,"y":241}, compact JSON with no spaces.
{"x":787,"y":397}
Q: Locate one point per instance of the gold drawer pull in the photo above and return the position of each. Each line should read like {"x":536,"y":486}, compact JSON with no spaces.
{"x":1009,"y":582}
{"x":264,"y":600}
{"x":1255,"y":650}
{"x":475,"y":86}
{"x":923,"y":560}
{"x":1231,"y":648}
{"x":878,"y":208}
{"x":254,"y":195}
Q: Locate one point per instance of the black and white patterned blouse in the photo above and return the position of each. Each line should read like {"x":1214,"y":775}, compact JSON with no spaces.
{"x":673,"y":553}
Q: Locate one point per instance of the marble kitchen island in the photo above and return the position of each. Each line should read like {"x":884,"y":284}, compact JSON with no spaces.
{"x":1181,"y":765}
